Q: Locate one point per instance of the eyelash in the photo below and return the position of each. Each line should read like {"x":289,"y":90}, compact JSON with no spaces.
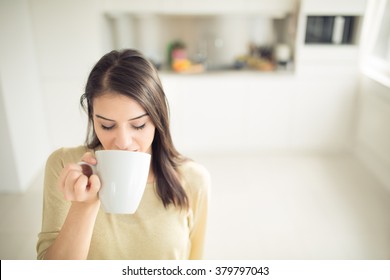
{"x":107,"y":127}
{"x":111,"y":127}
{"x":139,"y":127}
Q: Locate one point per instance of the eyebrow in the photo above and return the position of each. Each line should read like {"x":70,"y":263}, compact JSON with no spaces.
{"x":136,"y":118}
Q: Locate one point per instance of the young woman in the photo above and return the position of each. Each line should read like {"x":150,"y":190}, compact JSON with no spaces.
{"x":127,"y":110}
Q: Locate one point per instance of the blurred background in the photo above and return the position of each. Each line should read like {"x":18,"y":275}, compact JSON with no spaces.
{"x":286,"y":102}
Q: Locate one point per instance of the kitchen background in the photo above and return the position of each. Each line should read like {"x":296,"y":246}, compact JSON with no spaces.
{"x":286,"y":102}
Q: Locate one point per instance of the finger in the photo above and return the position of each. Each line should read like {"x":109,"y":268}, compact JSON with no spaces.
{"x":86,"y":189}
{"x":64,"y":174}
{"x":70,"y":181}
{"x":88,"y":158}
{"x":94,"y":184}
{"x":81,"y":189}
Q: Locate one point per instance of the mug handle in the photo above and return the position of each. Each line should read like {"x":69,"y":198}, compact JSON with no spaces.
{"x":88,"y":169}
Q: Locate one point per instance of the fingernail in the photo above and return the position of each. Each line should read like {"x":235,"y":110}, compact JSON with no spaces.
{"x":87,"y":170}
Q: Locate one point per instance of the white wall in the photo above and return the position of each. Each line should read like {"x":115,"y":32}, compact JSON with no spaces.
{"x":24,"y":143}
{"x":9,"y":173}
{"x":373,"y":131}
{"x":46,"y":52}
{"x":68,"y":42}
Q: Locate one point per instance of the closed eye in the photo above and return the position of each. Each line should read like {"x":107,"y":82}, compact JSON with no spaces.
{"x":107,"y":127}
{"x":139,"y":127}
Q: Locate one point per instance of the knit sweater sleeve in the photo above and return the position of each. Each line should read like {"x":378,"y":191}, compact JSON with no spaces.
{"x":55,"y":207}
{"x":197,"y":185}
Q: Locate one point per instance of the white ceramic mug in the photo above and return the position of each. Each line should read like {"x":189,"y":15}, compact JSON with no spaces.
{"x":123,"y":175}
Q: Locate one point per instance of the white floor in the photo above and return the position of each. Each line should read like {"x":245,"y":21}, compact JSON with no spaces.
{"x":265,"y":207}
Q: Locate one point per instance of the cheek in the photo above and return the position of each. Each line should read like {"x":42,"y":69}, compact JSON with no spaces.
{"x":103,"y":137}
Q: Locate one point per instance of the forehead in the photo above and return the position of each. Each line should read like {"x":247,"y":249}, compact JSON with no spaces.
{"x":114,"y":105}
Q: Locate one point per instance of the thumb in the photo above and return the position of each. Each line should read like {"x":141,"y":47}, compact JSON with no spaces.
{"x":88,"y":158}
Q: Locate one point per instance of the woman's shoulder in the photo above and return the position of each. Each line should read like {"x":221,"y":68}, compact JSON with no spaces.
{"x":195,"y":176}
{"x":67,"y":154}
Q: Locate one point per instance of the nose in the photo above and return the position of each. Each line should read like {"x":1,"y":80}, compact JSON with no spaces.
{"x":123,"y":139}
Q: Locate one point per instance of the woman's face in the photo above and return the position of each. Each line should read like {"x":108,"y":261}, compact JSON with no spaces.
{"x":121,"y":123}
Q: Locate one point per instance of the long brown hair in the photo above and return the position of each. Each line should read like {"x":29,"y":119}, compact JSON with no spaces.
{"x":127,"y":72}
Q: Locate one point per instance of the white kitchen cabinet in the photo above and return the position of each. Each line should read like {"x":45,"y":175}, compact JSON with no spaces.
{"x":328,"y":57}
{"x":330,"y":7}
{"x":268,"y":112}
{"x":328,"y":77}
{"x":186,"y":7}
{"x":207,"y":112}
{"x":254,"y":112}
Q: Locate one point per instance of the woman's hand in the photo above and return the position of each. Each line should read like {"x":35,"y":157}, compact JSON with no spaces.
{"x":77,"y":182}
